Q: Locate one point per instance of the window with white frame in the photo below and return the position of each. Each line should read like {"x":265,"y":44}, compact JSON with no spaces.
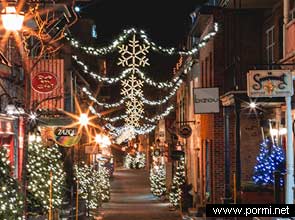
{"x":270,"y":45}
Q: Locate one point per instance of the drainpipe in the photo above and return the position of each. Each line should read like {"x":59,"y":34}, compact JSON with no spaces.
{"x":227,"y":190}
{"x":238,"y":144}
{"x":289,"y":199}
{"x":286,"y":19}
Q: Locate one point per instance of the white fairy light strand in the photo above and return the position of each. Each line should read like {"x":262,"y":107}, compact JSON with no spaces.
{"x":126,"y":33}
{"x":116,"y":131}
{"x":117,"y":118}
{"x":124,"y":74}
{"x":165,"y":99}
{"x":143,"y":99}
{"x":106,"y":105}
{"x":100,"y":78}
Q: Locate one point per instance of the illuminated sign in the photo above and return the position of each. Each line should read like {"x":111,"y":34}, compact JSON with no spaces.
{"x":269,"y":83}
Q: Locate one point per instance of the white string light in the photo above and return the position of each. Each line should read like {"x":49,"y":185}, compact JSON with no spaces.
{"x":126,"y":33}
{"x":124,"y":74}
{"x":100,"y":78}
{"x":106,"y":105}
{"x":165,"y":99}
{"x":117,"y":118}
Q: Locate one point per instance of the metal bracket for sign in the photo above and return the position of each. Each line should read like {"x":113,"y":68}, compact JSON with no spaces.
{"x":186,"y":122}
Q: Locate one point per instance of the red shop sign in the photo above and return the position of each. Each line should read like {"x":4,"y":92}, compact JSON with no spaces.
{"x":44,"y":82}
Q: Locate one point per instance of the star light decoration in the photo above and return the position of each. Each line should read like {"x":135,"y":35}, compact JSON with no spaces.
{"x":133,"y":56}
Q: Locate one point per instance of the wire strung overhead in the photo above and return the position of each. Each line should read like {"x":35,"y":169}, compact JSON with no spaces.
{"x":132,"y":31}
{"x":133,"y":55}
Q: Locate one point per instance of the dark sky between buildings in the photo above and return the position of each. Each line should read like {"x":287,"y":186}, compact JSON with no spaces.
{"x":166,"y":22}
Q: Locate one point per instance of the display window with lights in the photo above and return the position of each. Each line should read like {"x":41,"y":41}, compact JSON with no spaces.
{"x":9,"y":138}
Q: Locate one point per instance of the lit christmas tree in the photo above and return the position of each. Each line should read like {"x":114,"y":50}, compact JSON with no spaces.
{"x":178,"y":181}
{"x":94,"y":185}
{"x":41,"y":161}
{"x":139,"y":160}
{"x":89,"y":186}
{"x":10,"y":198}
{"x":270,"y":159}
{"x":104,"y":183}
{"x":128,"y":161}
{"x":158,"y":180}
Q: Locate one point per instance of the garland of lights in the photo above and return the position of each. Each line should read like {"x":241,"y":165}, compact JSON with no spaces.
{"x":158,"y":180}
{"x":125,"y":35}
{"x":10,"y":198}
{"x":117,"y":118}
{"x":124,"y":74}
{"x":99,"y":77}
{"x":106,"y":105}
{"x":41,"y":161}
{"x":124,"y":133}
{"x":133,"y":56}
{"x":166,"y":98}
{"x":143,"y":99}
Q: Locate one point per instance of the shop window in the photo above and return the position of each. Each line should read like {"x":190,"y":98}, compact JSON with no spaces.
{"x":270,"y":45}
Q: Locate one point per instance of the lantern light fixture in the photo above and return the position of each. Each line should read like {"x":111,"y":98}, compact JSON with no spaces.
{"x":11,"y":19}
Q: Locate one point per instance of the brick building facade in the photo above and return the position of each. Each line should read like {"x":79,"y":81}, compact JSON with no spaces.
{"x":223,"y":62}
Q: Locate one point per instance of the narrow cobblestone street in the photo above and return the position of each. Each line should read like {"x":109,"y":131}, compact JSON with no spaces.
{"x":131,"y":199}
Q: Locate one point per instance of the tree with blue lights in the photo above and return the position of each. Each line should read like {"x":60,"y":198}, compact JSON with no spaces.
{"x":271,"y":158}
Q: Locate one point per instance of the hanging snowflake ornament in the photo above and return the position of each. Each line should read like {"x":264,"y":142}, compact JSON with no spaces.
{"x":132,"y":87}
{"x":132,"y":120}
{"x":134,"y":107}
{"x":133,"y":55}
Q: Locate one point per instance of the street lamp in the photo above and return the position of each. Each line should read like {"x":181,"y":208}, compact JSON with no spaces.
{"x":83,"y":119}
{"x":11,"y":19}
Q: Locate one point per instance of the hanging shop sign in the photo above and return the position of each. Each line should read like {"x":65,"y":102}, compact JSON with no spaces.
{"x":185,"y":131}
{"x":47,"y":83}
{"x":269,"y":83}
{"x":64,"y":136}
{"x":44,"y":82}
{"x":206,"y":100}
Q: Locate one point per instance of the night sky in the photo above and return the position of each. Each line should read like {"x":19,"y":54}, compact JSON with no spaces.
{"x":165,"y":22}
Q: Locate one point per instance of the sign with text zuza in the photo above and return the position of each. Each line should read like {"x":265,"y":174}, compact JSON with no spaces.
{"x":269,"y":83}
{"x":206,"y":100}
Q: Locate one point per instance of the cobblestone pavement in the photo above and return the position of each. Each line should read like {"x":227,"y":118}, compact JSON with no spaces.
{"x":131,"y":199}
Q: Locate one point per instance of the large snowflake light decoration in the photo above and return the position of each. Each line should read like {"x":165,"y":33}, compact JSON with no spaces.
{"x":134,"y":107}
{"x":132,"y":87}
{"x":133,"y":55}
{"x":132,"y":121}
